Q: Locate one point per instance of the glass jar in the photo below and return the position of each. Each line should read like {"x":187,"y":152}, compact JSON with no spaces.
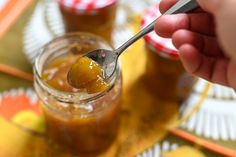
{"x":83,"y":123}
{"x":94,"y":16}
{"x":165,"y":74}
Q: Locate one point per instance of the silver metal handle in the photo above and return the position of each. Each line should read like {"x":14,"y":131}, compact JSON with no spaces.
{"x":182,"y":6}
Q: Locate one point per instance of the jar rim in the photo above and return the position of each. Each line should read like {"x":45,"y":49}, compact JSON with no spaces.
{"x":71,"y":97}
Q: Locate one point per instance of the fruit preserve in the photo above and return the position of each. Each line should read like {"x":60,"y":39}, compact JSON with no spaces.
{"x":85,"y":122}
{"x":94,"y":16}
{"x":165,"y":74}
{"x":94,"y":80}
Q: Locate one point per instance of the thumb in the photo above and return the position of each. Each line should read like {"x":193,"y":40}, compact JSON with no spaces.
{"x":211,"y":6}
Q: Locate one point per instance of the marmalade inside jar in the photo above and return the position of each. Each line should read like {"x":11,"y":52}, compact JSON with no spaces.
{"x":81,"y":128}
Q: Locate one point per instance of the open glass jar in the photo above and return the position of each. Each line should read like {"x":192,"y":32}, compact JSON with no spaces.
{"x":94,"y":16}
{"x":83,"y":123}
{"x":165,"y":74}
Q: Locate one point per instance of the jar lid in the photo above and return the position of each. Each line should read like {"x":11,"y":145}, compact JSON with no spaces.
{"x":163,"y":46}
{"x":85,"y":6}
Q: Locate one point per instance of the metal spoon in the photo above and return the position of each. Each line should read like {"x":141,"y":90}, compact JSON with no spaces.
{"x":108,"y":59}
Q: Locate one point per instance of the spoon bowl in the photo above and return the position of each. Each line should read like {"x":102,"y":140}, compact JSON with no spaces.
{"x":107,"y":59}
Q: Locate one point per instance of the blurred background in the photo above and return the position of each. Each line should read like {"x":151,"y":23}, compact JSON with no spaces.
{"x":204,"y":121}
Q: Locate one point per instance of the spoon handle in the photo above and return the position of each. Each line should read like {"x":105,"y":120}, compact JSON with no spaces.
{"x":182,"y":6}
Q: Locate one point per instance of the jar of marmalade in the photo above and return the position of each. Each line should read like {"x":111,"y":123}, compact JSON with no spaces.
{"x":165,"y":74}
{"x":94,"y":16}
{"x":83,"y":123}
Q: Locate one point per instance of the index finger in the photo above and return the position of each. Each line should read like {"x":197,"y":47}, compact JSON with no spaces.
{"x":166,"y":4}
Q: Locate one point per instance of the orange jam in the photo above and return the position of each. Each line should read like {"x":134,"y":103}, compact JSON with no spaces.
{"x":82,"y":128}
{"x":55,"y":73}
{"x":86,"y":73}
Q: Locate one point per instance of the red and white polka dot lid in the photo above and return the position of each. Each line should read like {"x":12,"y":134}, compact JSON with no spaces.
{"x":163,"y":46}
{"x":85,"y":6}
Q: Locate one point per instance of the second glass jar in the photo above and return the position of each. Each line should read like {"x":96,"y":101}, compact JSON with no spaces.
{"x":165,"y":74}
{"x":96,"y":16}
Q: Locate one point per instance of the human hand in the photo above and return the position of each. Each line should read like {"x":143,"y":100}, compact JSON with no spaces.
{"x":206,"y":39}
